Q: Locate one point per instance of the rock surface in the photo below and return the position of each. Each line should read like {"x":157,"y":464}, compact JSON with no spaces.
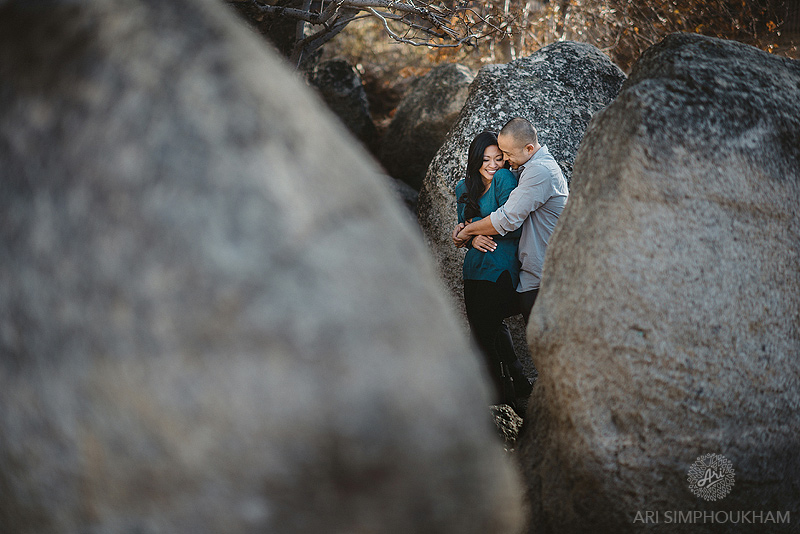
{"x":508,"y":424}
{"x":214,"y":317}
{"x":558,"y":88}
{"x":422,"y":120}
{"x":667,"y":327}
{"x":340,"y":87}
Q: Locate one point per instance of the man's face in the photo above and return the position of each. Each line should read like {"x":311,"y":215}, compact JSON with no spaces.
{"x":515,"y":155}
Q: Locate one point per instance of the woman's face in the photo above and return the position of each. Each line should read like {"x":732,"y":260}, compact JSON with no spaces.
{"x":492,"y":162}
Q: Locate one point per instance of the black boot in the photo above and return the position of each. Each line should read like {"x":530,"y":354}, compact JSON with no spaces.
{"x":522,"y":384}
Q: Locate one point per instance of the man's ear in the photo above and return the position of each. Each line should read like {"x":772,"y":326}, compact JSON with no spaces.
{"x":529,"y":148}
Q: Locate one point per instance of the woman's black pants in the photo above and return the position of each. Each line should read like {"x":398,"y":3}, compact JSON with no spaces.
{"x":488,"y":303}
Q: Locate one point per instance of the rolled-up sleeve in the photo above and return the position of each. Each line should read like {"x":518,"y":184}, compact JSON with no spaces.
{"x":524,"y":199}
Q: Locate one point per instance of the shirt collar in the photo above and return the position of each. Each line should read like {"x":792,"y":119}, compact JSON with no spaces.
{"x":541,"y":152}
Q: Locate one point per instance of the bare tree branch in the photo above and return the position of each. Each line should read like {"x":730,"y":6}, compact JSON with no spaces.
{"x":400,"y":39}
{"x":320,"y":17}
{"x":309,"y":44}
{"x":413,"y":22}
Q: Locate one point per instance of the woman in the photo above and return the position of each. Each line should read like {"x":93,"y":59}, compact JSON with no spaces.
{"x":491,"y":267}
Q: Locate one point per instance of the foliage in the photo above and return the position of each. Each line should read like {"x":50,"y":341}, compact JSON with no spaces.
{"x":625,"y":28}
{"x":503,"y":30}
{"x":476,"y":32}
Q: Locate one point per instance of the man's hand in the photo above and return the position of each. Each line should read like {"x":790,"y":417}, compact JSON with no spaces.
{"x":459,"y":241}
{"x":461,"y":236}
{"x":484,"y":243}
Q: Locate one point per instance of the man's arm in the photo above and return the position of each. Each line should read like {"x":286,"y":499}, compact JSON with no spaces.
{"x":523,"y":200}
{"x":504,"y":184}
{"x":481,"y":227}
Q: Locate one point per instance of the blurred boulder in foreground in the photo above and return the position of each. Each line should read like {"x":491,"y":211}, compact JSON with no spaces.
{"x":214,"y":316}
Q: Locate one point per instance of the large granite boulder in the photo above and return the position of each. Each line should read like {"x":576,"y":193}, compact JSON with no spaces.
{"x":668,"y":326}
{"x":341,"y":88}
{"x":214,"y":317}
{"x":558,"y":88}
{"x":422,"y":120}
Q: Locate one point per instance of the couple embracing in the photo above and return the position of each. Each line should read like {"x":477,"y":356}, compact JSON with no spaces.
{"x":505,"y":219}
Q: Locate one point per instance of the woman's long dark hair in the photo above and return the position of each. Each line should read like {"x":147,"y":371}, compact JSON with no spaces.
{"x":473,"y":181}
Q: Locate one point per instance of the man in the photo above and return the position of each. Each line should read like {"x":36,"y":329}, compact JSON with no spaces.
{"x":535,"y":204}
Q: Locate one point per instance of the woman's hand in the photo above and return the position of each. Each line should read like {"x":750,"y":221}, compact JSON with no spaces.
{"x":484,"y":243}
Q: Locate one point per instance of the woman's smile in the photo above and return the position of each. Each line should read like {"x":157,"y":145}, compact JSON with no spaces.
{"x":492,"y":162}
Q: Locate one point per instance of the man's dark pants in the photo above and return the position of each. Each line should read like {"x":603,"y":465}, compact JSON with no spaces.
{"x":526,"y":300}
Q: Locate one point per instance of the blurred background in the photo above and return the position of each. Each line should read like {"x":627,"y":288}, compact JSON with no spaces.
{"x":501,"y":31}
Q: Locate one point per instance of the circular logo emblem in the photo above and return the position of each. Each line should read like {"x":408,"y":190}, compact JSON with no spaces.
{"x":711,"y":477}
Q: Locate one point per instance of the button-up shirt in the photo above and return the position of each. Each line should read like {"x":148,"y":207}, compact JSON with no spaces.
{"x":535,"y":205}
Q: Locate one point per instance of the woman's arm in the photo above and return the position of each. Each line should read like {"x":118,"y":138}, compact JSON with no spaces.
{"x":460,"y":209}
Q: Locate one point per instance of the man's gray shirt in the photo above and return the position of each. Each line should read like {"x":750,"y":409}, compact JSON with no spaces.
{"x":534,"y":204}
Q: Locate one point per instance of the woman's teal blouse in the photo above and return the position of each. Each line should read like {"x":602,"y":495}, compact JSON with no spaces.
{"x":490,"y":265}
